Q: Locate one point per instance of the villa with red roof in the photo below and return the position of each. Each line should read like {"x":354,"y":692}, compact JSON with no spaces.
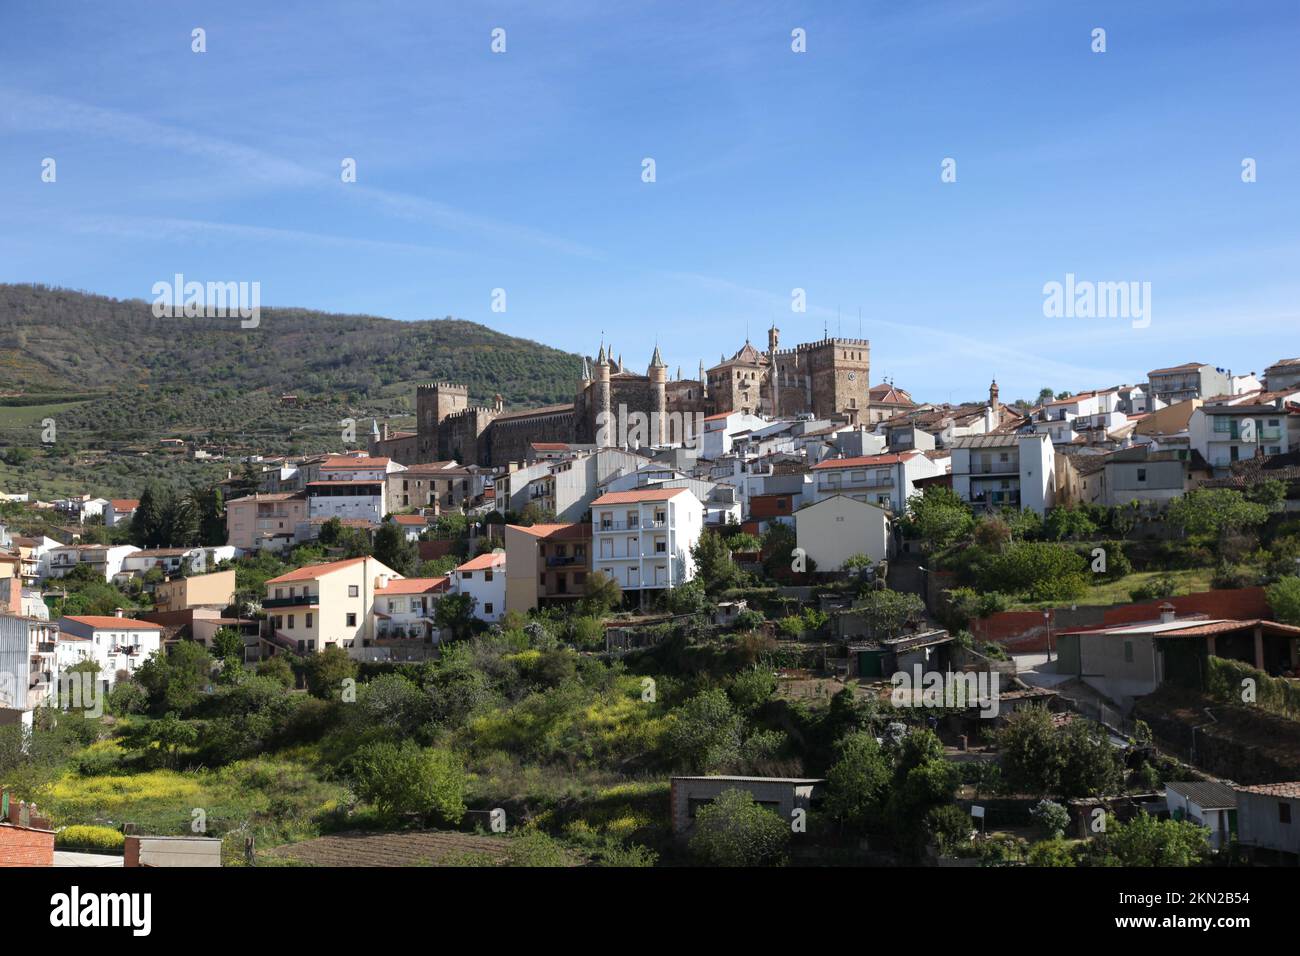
{"x":327,"y":605}
{"x":484,"y":579}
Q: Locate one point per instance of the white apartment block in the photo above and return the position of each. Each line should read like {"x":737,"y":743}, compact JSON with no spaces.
{"x":484,"y":579}
{"x":106,"y":560}
{"x":643,"y":539}
{"x":117,"y":643}
{"x":350,"y":487}
{"x":1225,"y":433}
{"x":883,"y":480}
{"x":1005,"y":471}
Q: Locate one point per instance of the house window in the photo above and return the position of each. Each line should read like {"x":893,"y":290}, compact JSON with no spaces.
{"x":1284,"y":813}
{"x":1128,"y":652}
{"x":307,"y":622}
{"x":1142,"y":474}
{"x":291,"y":622}
{"x":487,"y":575}
{"x":352,"y":620}
{"x":353,"y":591}
{"x":487,"y":608}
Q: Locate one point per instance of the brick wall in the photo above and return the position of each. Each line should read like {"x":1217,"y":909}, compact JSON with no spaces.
{"x":20,"y":846}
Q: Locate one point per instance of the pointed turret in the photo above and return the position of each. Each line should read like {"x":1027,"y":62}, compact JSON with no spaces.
{"x":656,"y":360}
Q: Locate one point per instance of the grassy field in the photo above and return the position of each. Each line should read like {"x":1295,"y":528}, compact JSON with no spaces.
{"x":30,"y":416}
{"x":1117,"y":592}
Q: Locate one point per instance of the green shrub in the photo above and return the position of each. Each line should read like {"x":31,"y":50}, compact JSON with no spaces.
{"x":89,"y":837}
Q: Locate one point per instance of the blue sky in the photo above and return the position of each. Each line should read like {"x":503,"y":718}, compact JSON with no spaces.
{"x":775,"y":171}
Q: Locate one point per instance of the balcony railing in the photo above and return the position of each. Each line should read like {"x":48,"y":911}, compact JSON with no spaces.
{"x":301,"y":600}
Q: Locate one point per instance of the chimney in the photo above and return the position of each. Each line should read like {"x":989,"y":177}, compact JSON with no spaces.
{"x":381,"y":582}
{"x":117,"y":612}
{"x":1167,"y":613}
{"x":993,"y":396}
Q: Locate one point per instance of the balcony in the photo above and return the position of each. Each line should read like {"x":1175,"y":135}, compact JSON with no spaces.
{"x":301,"y":600}
{"x":563,"y":562}
{"x":995,"y":467}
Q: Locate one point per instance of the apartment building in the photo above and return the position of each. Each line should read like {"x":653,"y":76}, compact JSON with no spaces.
{"x":326,"y":605}
{"x":565,"y":487}
{"x":437,"y":485}
{"x":1224,"y":433}
{"x":216,"y":590}
{"x":484,"y":579}
{"x":269,"y":521}
{"x":404,"y":608}
{"x":885,"y":480}
{"x":105,"y":560}
{"x":1181,"y":383}
{"x":998,"y":471}
{"x":1283,"y":375}
{"x":643,"y":539}
{"x":350,"y":487}
{"x":27,"y":663}
{"x":117,"y":643}
{"x":546,"y":564}
{"x":836,"y":528}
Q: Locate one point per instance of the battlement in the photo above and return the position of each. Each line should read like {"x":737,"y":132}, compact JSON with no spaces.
{"x":827,"y":343}
{"x":444,"y":387}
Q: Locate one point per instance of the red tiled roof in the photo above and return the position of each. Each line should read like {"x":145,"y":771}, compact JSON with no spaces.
{"x":340,"y":462}
{"x":413,"y":586}
{"x":550,"y":446}
{"x":483,"y":562}
{"x":314,"y":571}
{"x":633,"y":497}
{"x":412,"y":520}
{"x":866,"y":462}
{"x":575,"y":530}
{"x":108,"y":622}
{"x":124,"y":504}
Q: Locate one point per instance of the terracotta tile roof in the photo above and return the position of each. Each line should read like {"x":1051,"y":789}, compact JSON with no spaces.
{"x":124,"y":504}
{"x":574,"y":530}
{"x":102,"y":622}
{"x":342,"y":462}
{"x":414,"y":521}
{"x":550,"y":445}
{"x":483,"y":562}
{"x":413,"y":586}
{"x":314,"y":571}
{"x":868,"y":461}
{"x":632,"y":497}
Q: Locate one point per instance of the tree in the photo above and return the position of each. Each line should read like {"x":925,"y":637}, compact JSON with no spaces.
{"x":1146,"y":841}
{"x":736,"y":831}
{"x":210,"y":507}
{"x":704,"y":736}
{"x":713,"y":564}
{"x":277,"y":668}
{"x":228,"y":643}
{"x":858,"y":781}
{"x":887,"y":612}
{"x":1215,"y":512}
{"x":393,"y":549}
{"x":175,"y":681}
{"x":406,"y":778}
{"x":1052,"y":817}
{"x":171,"y":734}
{"x":1030,"y":753}
{"x":938,"y":516}
{"x":455,"y":613}
{"x":326,"y":671}
{"x":1284,"y":599}
{"x":1064,"y":523}
{"x":1090,"y":766}
{"x":600,"y":594}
